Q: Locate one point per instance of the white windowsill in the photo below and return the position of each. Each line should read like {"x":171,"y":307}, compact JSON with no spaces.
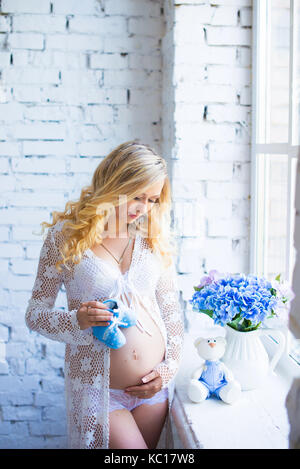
{"x":257,"y":421}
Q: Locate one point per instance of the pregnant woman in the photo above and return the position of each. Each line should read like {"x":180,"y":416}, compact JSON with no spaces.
{"x":114,"y":242}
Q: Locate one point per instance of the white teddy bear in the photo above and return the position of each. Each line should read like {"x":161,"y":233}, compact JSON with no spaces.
{"x":213,"y":377}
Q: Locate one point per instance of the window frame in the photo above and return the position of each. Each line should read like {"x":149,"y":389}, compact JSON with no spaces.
{"x":260,"y":150}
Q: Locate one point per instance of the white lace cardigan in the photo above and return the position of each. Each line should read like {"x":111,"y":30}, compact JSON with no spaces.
{"x":87,"y":360}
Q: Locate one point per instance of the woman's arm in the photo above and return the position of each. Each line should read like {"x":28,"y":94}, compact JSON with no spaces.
{"x":40,"y":316}
{"x":167,"y":298}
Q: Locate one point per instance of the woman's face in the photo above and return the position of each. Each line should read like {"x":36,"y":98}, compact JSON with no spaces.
{"x":141,"y":204}
{"x":144,"y":201}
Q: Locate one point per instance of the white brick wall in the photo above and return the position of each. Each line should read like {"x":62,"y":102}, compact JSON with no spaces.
{"x":76,"y":78}
{"x":210,"y":136}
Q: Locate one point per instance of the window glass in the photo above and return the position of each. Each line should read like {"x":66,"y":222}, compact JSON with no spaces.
{"x":278,"y":32}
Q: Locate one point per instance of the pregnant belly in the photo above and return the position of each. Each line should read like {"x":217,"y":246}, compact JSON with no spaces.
{"x":139,"y":355}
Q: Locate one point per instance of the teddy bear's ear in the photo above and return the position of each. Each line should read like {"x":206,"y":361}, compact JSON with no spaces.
{"x":197,"y":341}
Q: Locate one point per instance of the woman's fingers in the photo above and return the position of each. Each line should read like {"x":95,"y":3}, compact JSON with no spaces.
{"x":103,"y":324}
{"x":94,"y":313}
{"x":145,"y":391}
{"x":150,"y":376}
{"x":98,"y":311}
{"x":95,"y":304}
{"x":97,"y":319}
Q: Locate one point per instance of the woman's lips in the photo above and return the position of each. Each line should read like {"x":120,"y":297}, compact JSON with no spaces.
{"x":132,"y":216}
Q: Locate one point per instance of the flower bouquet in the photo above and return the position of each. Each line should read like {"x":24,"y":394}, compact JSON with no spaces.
{"x":244,"y":305}
{"x":242,"y":302}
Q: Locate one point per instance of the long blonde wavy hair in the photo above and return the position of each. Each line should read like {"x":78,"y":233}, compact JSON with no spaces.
{"x":127,"y":170}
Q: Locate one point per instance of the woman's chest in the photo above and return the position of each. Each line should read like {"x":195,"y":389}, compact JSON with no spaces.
{"x":94,"y":278}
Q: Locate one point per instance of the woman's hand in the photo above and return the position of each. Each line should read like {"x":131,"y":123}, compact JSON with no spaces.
{"x":93,"y":313}
{"x":146,"y":391}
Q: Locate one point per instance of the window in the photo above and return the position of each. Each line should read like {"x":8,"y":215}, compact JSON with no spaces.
{"x":275,"y":137}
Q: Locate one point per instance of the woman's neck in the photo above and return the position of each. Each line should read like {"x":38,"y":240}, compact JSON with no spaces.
{"x":119,"y":232}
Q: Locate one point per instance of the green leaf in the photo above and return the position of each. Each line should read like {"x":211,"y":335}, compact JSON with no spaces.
{"x":235,"y":323}
{"x":251,"y":328}
{"x":278,"y":277}
{"x":244,"y":326}
{"x":233,"y":326}
{"x":236,"y":319}
{"x":247,"y":323}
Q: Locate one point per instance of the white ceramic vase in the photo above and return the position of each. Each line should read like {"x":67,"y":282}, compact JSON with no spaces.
{"x":247,"y":358}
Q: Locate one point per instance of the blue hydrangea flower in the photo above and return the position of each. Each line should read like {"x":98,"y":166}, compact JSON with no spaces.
{"x":242,"y":301}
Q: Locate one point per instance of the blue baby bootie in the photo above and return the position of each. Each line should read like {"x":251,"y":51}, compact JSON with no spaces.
{"x":111,"y":335}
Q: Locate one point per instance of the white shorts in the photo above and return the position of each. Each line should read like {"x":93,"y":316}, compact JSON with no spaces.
{"x":119,"y":399}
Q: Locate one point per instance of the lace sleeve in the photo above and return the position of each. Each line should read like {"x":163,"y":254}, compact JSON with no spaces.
{"x":40,"y":316}
{"x":167,"y":298}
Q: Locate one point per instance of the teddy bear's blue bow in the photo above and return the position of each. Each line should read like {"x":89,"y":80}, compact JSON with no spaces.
{"x":111,"y":335}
